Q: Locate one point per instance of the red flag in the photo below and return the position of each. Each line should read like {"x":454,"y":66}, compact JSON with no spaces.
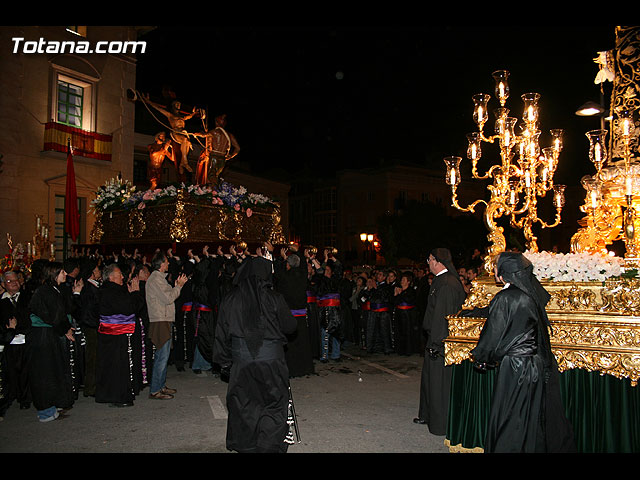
{"x":71,"y":215}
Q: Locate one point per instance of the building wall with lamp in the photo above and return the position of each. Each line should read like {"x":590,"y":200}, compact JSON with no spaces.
{"x":48,"y":96}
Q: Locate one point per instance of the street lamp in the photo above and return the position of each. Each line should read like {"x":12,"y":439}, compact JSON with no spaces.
{"x":366,"y":238}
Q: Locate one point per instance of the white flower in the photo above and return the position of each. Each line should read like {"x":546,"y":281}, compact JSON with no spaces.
{"x":574,"y":267}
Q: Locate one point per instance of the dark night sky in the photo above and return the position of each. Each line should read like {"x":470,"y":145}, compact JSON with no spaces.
{"x":339,"y":97}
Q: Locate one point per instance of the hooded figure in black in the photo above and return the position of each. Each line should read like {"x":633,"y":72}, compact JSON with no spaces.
{"x":527,"y":414}
{"x":250,"y":337}
{"x":446,"y":296}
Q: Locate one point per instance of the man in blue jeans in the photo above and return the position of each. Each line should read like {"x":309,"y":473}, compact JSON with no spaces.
{"x":160,"y":296}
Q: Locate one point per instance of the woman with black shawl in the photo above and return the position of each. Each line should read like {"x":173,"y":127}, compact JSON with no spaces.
{"x":50,"y":378}
{"x":250,"y":336}
{"x":527,"y":414}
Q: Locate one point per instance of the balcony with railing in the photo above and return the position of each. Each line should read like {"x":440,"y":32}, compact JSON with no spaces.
{"x":85,"y":144}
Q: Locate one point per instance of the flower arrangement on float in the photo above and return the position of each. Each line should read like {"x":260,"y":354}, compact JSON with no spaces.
{"x":118,"y":194}
{"x":575,"y":267}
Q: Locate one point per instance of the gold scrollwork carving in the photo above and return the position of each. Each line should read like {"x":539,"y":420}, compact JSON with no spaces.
{"x":97,"y":231}
{"x":136,"y":223}
{"x":179,"y":229}
{"x":574,"y":298}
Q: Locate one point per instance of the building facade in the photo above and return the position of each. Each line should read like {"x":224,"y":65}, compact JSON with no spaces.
{"x":56,"y":89}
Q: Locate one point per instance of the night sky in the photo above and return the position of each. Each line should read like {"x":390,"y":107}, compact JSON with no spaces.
{"x":352,"y":97}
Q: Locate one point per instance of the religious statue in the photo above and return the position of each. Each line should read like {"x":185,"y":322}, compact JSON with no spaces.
{"x":179,"y":135}
{"x":158,"y":151}
{"x":221,"y":146}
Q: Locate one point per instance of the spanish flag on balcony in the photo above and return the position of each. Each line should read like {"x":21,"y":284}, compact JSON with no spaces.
{"x":85,"y":144}
{"x":71,"y":215}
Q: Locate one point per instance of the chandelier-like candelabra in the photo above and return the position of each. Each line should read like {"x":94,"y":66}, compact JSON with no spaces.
{"x":525,"y":171}
{"x":611,"y":202}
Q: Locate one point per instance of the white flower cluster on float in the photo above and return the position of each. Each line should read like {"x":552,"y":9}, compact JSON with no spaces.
{"x":112,"y":194}
{"x":574,"y":267}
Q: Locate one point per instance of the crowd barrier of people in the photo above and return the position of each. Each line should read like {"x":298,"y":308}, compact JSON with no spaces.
{"x":108,"y":327}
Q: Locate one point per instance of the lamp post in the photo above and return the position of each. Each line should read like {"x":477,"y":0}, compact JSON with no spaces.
{"x":367,"y":239}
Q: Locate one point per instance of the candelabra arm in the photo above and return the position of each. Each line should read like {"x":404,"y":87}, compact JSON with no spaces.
{"x":470,"y":208}
{"x":489,"y":174}
{"x":555,"y":223}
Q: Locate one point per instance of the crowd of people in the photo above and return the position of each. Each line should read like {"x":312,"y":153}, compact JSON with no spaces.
{"x":108,"y":327}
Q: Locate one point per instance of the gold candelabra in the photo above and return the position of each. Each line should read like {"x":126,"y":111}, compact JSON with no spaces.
{"x":611,"y":202}
{"x":525,"y":171}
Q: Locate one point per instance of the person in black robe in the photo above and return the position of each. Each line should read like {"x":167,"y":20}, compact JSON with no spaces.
{"x":290,"y":275}
{"x":312,"y":311}
{"x":404,"y":315}
{"x":119,"y":306}
{"x":14,"y":325}
{"x":50,"y":379}
{"x":206,"y":289}
{"x":527,"y":414}
{"x":446,"y":296}
{"x":143,"y":351}
{"x":75,"y":348}
{"x":327,"y":282}
{"x":89,"y":321}
{"x":183,"y":345}
{"x":379,"y":296}
{"x":251,"y":333}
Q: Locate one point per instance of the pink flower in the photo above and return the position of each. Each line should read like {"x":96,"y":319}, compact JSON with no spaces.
{"x":236,"y":207}
{"x":148,"y":195}
{"x":249,"y":212}
{"x":141,"y":205}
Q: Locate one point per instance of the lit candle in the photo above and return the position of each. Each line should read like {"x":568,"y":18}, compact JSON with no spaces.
{"x":501,"y":90}
{"x":38,"y":223}
{"x":594,"y":200}
{"x":531,"y":113}
{"x":29,"y":249}
{"x":453,"y":176}
{"x":527,"y":179}
{"x":597,"y":152}
{"x":628,"y":185}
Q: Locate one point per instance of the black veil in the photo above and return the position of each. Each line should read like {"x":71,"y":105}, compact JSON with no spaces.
{"x":253,"y":279}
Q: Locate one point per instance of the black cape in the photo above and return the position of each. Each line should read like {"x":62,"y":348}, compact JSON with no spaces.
{"x":250,"y":336}
{"x":527,"y":414}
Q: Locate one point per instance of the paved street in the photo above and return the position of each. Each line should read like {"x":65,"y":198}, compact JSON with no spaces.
{"x":364,"y":404}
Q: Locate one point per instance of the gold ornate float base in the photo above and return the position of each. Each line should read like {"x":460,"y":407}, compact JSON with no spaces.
{"x":183,"y":221}
{"x":595,"y":325}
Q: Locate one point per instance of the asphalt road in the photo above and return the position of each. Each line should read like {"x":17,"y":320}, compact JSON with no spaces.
{"x":363,"y":404}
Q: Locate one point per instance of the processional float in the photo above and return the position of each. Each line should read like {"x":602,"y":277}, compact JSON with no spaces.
{"x":594,"y":308}
{"x":206,"y":209}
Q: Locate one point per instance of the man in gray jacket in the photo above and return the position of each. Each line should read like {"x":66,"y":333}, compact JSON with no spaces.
{"x":160,"y":296}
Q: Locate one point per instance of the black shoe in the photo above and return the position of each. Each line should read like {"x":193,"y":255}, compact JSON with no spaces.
{"x":121,"y":405}
{"x":419,"y":421}
{"x":197,"y":371}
